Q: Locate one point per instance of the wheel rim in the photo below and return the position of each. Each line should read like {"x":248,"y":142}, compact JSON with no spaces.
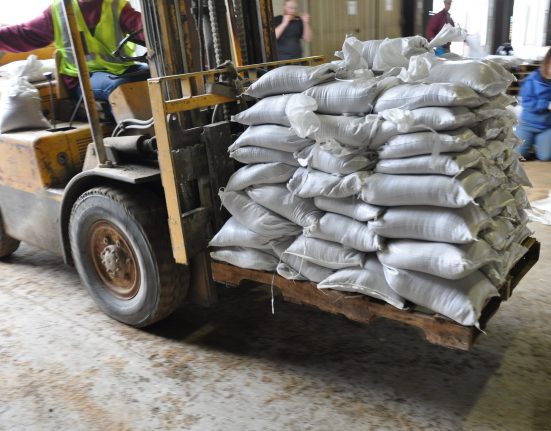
{"x":114,"y":260}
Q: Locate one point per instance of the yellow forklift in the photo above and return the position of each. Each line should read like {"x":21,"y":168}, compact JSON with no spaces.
{"x":134,"y":212}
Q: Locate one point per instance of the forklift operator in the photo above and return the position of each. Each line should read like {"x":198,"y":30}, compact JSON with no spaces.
{"x":103,"y":23}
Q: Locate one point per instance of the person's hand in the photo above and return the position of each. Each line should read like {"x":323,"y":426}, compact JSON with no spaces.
{"x":287,"y":19}
{"x":305,"y":18}
{"x":549,"y":106}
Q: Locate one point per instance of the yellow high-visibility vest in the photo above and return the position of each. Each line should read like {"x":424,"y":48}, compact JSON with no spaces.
{"x":100,"y":45}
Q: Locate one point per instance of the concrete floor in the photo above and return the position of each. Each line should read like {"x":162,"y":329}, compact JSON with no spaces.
{"x":66,"y":366}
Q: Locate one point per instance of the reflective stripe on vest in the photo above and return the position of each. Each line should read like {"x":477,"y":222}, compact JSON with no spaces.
{"x":100,"y":45}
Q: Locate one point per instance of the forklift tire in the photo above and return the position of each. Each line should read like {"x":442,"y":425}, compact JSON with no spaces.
{"x":121,"y":249}
{"x":8,"y":245}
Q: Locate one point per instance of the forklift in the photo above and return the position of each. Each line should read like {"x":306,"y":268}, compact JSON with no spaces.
{"x":101,"y":201}
{"x":134,"y":212}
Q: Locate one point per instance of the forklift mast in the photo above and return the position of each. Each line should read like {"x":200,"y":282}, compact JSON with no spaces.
{"x":195,"y":36}
{"x":184,"y":36}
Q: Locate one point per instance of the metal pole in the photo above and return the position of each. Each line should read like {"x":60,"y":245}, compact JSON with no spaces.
{"x":84,"y":78}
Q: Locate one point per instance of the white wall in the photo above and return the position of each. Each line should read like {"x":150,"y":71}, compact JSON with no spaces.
{"x":22,"y":10}
{"x":529,"y":26}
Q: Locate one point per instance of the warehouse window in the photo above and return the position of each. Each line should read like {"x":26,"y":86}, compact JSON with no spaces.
{"x":529,"y":29}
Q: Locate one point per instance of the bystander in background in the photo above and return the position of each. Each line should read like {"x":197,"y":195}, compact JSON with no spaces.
{"x":290,"y":28}
{"x":436,"y":22}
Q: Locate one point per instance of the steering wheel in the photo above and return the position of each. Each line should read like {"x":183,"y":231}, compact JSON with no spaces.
{"x":119,"y":51}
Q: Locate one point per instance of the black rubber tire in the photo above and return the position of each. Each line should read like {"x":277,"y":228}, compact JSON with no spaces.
{"x":8,"y":245}
{"x":142,"y":219}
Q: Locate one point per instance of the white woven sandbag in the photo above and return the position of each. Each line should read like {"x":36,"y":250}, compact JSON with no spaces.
{"x":311,"y":183}
{"x":420,"y":143}
{"x":295,"y":268}
{"x":497,"y":152}
{"x":511,"y":139}
{"x":317,"y":158}
{"x":270,"y":136}
{"x":506,"y":158}
{"x":31,"y":68}
{"x":442,"y":164}
{"x":367,"y":50}
{"x":258,"y":174}
{"x":461,"y":300}
{"x":249,"y":258}
{"x":441,"y":118}
{"x":494,"y":202}
{"x":457,"y":226}
{"x":291,"y":79}
{"x":252,"y":155}
{"x":279,"y":247}
{"x":444,"y":260}
{"x":520,"y":196}
{"x":413,"y":96}
{"x":255,"y":217}
{"x":492,"y":128}
{"x":270,"y":110}
{"x":279,"y":200}
{"x":371,"y":131}
{"x":502,"y":232}
{"x":422,"y":119}
{"x":352,"y":131}
{"x":20,"y":107}
{"x":351,"y":96}
{"x":488,"y":110}
{"x":495,"y":107}
{"x":448,"y":33}
{"x":436,"y":190}
{"x":520,"y":235}
{"x":497,"y":272}
{"x":345,"y":231}
{"x":234,"y":234}
{"x":486,"y":78}
{"x":325,"y":253}
{"x":351,"y":56}
{"x":351,"y":207}
{"x":369,"y":280}
{"x":517,"y":174}
{"x":396,"y":52}
{"x":358,"y":54}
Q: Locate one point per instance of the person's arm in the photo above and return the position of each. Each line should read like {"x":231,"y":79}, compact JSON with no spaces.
{"x":28,"y":36}
{"x":306,"y":29}
{"x":531,"y":101}
{"x":131,"y":21}
{"x":285,"y":20}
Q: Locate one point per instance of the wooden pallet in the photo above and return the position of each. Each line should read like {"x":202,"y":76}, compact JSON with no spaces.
{"x":437,"y":329}
{"x":520,"y":73}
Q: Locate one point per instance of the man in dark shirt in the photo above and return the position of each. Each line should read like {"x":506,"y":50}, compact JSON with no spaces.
{"x":436,"y":22}
{"x":41,"y":32}
{"x":289,"y":29}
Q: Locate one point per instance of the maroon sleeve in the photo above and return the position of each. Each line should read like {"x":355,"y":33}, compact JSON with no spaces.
{"x":34,"y":34}
{"x":433,"y":27}
{"x":131,"y":21}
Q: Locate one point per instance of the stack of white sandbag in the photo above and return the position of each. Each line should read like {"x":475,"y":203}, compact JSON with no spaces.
{"x":294,"y":205}
{"x":266,"y":217}
{"x":403,"y":187}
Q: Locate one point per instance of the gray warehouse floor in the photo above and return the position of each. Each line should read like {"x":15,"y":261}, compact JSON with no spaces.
{"x":67,"y":366}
